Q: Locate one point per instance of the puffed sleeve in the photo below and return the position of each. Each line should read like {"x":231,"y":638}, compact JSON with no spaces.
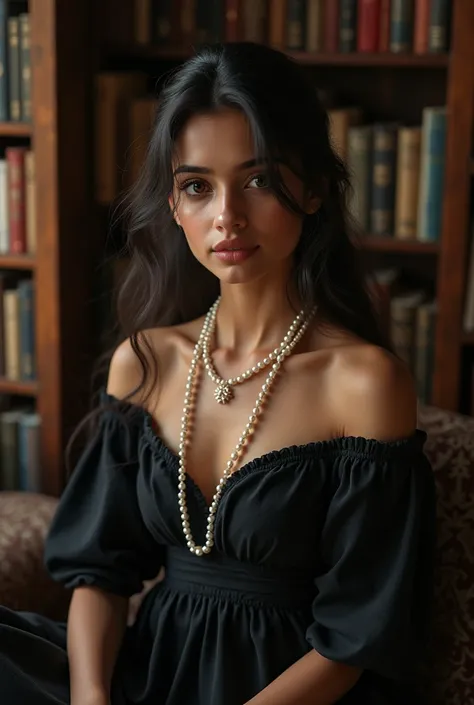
{"x":98,"y":536}
{"x":375,"y":582}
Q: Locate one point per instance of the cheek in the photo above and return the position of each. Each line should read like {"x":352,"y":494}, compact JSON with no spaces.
{"x":278,"y":226}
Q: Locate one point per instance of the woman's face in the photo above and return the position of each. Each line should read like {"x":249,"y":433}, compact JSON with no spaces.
{"x":233,"y":222}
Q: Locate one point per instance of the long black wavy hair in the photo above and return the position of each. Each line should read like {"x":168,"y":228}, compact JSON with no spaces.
{"x":165,"y":284}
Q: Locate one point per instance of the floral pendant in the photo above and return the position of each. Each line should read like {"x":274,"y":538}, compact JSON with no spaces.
{"x":223,"y":393}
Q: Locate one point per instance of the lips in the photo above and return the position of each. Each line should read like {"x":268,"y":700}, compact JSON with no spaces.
{"x":233,"y":245}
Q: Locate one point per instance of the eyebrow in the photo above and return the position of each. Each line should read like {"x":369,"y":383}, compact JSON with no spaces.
{"x":189,"y":169}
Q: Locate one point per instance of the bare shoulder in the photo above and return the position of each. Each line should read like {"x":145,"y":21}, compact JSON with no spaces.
{"x":373,"y":393}
{"x":153,"y":351}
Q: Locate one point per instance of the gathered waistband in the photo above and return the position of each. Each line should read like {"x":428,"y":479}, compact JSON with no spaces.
{"x":219,"y":575}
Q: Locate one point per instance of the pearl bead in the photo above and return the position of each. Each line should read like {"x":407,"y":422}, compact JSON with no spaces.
{"x":202,"y":359}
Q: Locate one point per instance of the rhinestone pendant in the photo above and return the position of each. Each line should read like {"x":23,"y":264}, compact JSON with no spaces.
{"x":223,"y":393}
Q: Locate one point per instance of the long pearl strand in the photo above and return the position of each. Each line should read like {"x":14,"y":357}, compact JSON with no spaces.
{"x":224,"y":393}
{"x":185,"y":435}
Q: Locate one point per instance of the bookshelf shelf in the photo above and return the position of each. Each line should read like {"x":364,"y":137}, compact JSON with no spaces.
{"x":388,"y":244}
{"x":13,"y":386}
{"x":386,"y":59}
{"x":26,"y":262}
{"x":15,"y":129}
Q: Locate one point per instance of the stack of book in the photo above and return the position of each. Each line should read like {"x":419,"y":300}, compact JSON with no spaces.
{"x":420,"y":26}
{"x":17,"y":202}
{"x":15,"y":61}
{"x":397,"y":172}
{"x":409,"y":316}
{"x":17,"y":328}
{"x":19,"y":448}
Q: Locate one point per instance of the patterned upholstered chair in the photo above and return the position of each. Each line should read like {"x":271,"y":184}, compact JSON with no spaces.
{"x":24,"y":520}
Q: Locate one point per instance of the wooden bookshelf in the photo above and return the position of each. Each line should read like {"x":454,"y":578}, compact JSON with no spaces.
{"x":17,"y":387}
{"x":26,"y":262}
{"x":61,"y":137}
{"x":382,"y":60}
{"x":15,"y":129}
{"x":390,"y":244}
{"x":389,"y":86}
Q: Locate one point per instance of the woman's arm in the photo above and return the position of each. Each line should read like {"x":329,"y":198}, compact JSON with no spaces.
{"x":96,"y":626}
{"x":373,"y":396}
{"x":312,"y":680}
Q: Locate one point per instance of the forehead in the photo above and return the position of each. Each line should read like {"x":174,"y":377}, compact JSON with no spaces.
{"x":222,"y":137}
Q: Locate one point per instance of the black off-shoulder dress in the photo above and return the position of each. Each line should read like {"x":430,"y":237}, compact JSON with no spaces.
{"x":325,"y":546}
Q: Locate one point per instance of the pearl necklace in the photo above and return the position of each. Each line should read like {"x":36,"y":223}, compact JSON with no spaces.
{"x":224,"y":393}
{"x":186,"y":423}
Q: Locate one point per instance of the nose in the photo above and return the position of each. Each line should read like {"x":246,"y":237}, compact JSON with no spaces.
{"x":231,"y":215}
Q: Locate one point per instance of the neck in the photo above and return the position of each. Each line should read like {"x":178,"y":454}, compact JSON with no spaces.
{"x":254,"y":317}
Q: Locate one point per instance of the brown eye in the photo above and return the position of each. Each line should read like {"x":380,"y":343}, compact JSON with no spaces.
{"x":260,"y":181}
{"x":194,"y":188}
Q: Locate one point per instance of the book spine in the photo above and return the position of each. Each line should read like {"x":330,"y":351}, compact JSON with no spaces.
{"x":233,"y":20}
{"x":188,"y":22}
{"x":277,"y":23}
{"x":14,"y":76}
{"x":425,"y":324}
{"x":331,"y":26}
{"x":4,"y":217}
{"x":210,"y":16}
{"x":407,"y":185}
{"x":296,"y":18}
{"x":422,"y":21}
{"x":25,"y":65}
{"x":27,"y":330}
{"x":401,"y":25}
{"x":29,"y":466}
{"x":347,"y":25}
{"x":368,"y":25}
{"x":385,"y":22}
{"x":255,"y":21}
{"x":4,"y":71}
{"x":166,"y":22}
{"x":30,"y":185}
{"x":383,"y":178}
{"x":142,"y":22}
{"x":439,"y":26}
{"x":314,"y":25}
{"x":9,"y":450}
{"x":359,"y":164}
{"x":3,"y":286}
{"x":15,"y":157}
{"x":11,"y":318}
{"x":403,"y":330}
{"x":430,"y":202}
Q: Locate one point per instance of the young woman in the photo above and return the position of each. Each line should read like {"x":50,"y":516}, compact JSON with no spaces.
{"x":257,"y":437}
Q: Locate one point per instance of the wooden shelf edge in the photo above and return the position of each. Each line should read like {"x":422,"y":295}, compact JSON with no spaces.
{"x":402,"y":60}
{"x":17,"y":262}
{"x":15,"y":129}
{"x":388,"y":244}
{"x":13,"y":386}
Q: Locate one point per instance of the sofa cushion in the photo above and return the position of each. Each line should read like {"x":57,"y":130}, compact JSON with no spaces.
{"x":450,"y":448}
{"x":24,"y":583}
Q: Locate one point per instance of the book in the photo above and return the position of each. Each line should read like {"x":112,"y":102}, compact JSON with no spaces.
{"x":407,"y":182}
{"x":383,"y":178}
{"x":432,"y":161}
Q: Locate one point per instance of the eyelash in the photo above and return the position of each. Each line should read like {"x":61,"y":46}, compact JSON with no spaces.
{"x":190,"y":182}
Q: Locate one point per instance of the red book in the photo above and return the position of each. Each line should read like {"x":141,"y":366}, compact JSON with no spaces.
{"x":384,"y":32}
{"x":368,"y":25}
{"x":233,"y":20}
{"x":331,"y":25}
{"x":15,"y":157}
{"x":421,"y":28}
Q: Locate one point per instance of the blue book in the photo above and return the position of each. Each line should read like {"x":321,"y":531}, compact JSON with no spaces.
{"x":401,"y":25}
{"x":433,"y":148}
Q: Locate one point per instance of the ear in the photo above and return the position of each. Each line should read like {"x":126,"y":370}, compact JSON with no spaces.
{"x":172,"y":208}
{"x":313,"y":204}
